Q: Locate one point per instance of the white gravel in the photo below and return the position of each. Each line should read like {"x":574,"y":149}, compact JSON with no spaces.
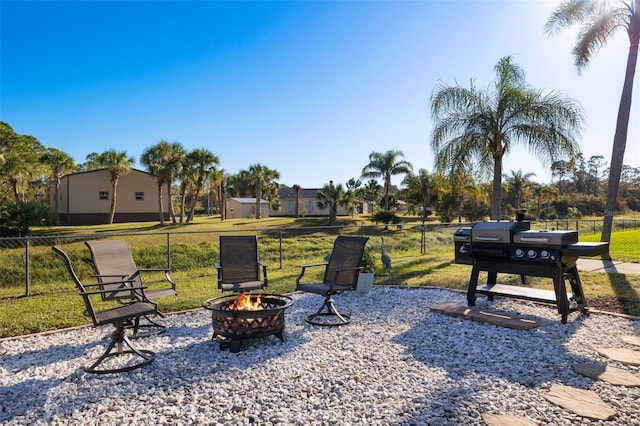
{"x":397,"y":363}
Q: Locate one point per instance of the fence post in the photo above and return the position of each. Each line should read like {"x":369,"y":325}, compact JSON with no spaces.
{"x":27,"y":276}
{"x":280,"y":238}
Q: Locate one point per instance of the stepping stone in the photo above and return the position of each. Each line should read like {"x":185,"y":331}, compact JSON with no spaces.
{"x":476,"y":314}
{"x":615,"y":376}
{"x":506,"y":420}
{"x":624,"y":356}
{"x":581,"y":402}
{"x":632,"y":340}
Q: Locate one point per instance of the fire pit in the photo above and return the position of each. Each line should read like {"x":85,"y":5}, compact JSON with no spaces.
{"x":247,"y":315}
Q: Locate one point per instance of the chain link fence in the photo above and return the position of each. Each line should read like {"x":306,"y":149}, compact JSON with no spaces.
{"x":28,"y":262}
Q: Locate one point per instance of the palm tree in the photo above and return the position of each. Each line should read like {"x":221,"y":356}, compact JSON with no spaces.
{"x":543,"y":193}
{"x":263,"y":178}
{"x":202,"y":161}
{"x":216,"y":183}
{"x":600,"y":21}
{"x":330,"y":196}
{"x":153,"y":158}
{"x":117,"y":164}
{"x":472,"y":124}
{"x":60,"y":163}
{"x":518,"y":184}
{"x":420,"y":187}
{"x":385,"y":166}
{"x":297,"y":188}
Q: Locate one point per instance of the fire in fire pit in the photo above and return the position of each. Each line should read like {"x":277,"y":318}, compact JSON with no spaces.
{"x":247,"y":315}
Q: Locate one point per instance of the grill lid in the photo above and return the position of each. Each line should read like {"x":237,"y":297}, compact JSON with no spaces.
{"x":497,"y":231}
{"x":546,"y":238}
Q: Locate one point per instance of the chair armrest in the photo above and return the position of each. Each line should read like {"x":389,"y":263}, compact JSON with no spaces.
{"x":167,"y":274}
{"x":304,"y":268}
{"x":87,"y":293}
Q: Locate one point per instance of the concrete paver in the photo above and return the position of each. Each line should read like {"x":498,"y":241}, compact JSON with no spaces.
{"x":609,"y":266}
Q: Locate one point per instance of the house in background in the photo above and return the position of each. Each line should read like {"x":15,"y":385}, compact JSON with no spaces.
{"x":84,"y":198}
{"x":238,"y":208}
{"x":308,"y":205}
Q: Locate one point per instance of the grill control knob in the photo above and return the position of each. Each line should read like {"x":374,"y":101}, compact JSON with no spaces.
{"x":532,"y":253}
{"x":519,"y":252}
{"x":545,"y":254}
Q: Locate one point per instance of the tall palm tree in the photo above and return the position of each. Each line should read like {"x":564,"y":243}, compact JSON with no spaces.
{"x":216,"y":184}
{"x":203,"y":161}
{"x":118,"y":165}
{"x":419,"y":188}
{"x":263,"y":178}
{"x":600,"y":20}
{"x":330,"y":196}
{"x":518,"y":184}
{"x":153,"y":158}
{"x":472,"y":124}
{"x":297,"y":188}
{"x":385,"y":166}
{"x":60,"y":163}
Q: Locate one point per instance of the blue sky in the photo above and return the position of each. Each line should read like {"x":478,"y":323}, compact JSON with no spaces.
{"x":308,"y":88}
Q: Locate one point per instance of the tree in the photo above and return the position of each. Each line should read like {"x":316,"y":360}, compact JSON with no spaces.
{"x":420,"y":187}
{"x":153,"y":158}
{"x":164,"y":160}
{"x":117,"y":164}
{"x":263,"y":178}
{"x":60,"y":163}
{"x":20,"y":161}
{"x":297,"y":188}
{"x":203,"y":162}
{"x":599,"y":21}
{"x":593,"y":166}
{"x":483,"y":125}
{"x":518,"y":185}
{"x":385,"y":166}
{"x":330,"y":196}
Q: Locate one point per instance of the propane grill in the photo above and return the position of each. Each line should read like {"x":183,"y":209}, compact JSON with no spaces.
{"x":511,"y":247}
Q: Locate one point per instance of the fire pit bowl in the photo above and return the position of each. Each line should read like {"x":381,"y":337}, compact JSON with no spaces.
{"x":263,"y":318}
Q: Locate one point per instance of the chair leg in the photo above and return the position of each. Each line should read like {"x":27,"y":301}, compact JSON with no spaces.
{"x":328,"y":310}
{"x":118,"y":341}
{"x":151,"y":327}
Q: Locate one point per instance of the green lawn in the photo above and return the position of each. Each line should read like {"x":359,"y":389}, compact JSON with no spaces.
{"x":54,"y":302}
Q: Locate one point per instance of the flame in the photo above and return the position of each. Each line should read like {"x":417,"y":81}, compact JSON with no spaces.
{"x":247,"y":302}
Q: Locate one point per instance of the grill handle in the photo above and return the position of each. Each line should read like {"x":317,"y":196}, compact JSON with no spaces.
{"x":535,"y":240}
{"x":488,"y":239}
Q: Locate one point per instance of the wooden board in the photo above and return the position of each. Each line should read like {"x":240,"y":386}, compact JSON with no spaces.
{"x":615,"y":376}
{"x":581,"y":402}
{"x":632,"y":340}
{"x":476,"y":314}
{"x":506,"y":420}
{"x":624,"y":356}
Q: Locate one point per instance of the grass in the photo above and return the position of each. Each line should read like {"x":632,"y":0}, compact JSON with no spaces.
{"x":55,"y":304}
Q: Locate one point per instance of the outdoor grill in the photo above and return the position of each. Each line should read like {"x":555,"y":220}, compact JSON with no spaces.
{"x":235,"y":325}
{"x":511,"y":247}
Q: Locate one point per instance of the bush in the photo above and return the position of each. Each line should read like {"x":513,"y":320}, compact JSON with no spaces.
{"x":386,"y":217}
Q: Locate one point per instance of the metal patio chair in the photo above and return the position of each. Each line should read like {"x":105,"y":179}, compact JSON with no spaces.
{"x":239,"y":267}
{"x":120,"y":317}
{"x":113,"y":261}
{"x":340,"y":275}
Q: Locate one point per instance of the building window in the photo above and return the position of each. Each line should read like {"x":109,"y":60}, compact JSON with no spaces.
{"x":309,"y":206}
{"x":103,"y":195}
{"x":139,"y":195}
{"x":291,"y":206}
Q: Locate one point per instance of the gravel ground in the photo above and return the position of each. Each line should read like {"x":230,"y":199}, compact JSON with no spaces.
{"x":397,"y":363}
